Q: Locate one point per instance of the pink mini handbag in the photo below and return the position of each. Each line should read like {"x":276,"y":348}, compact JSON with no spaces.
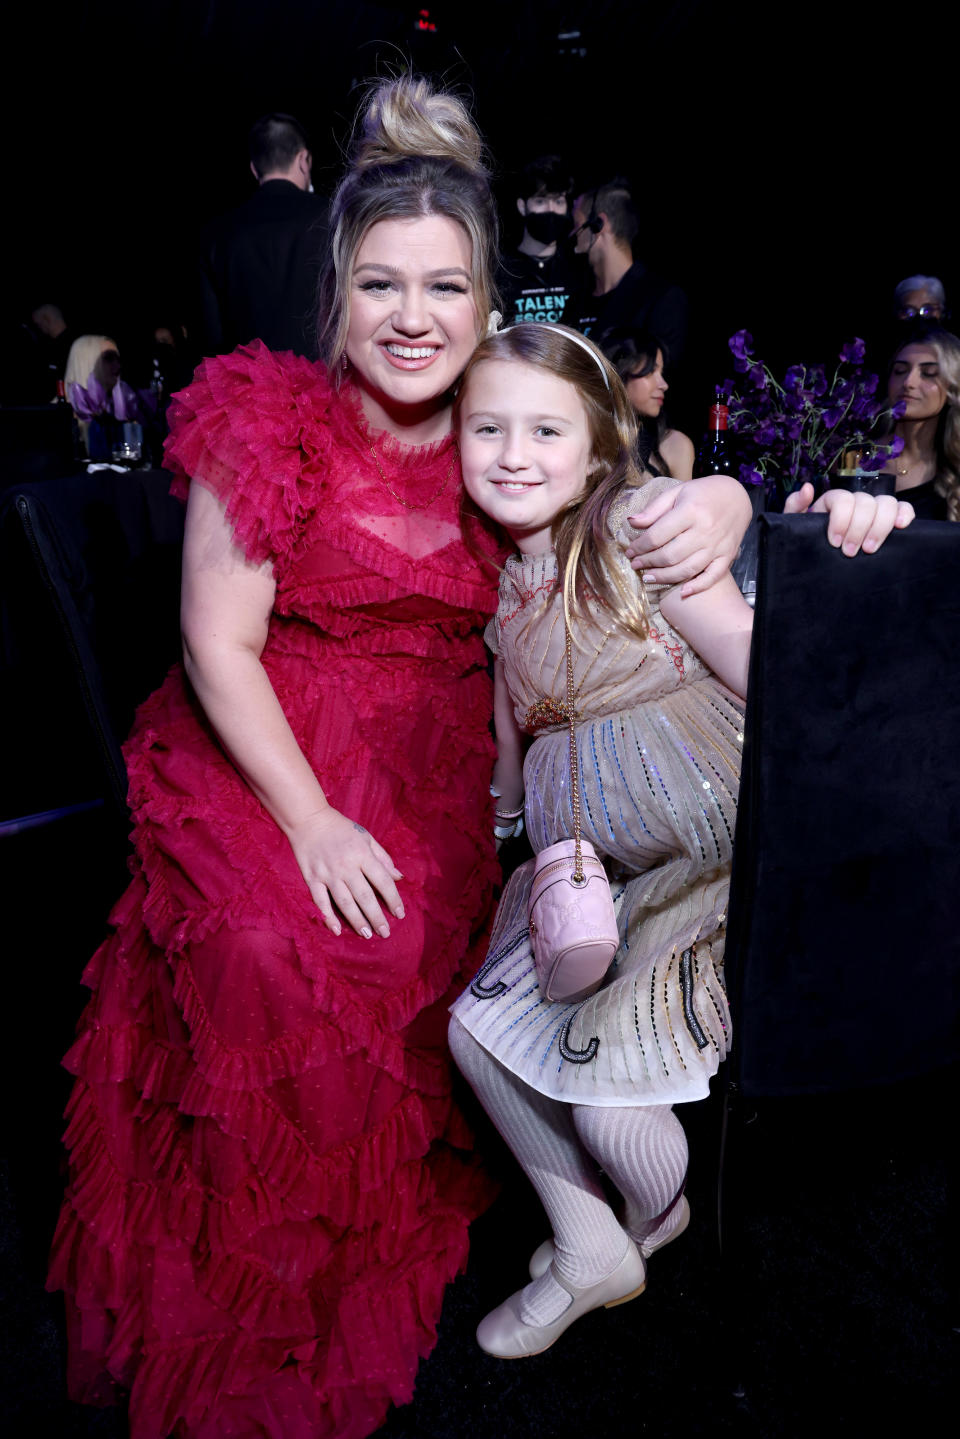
{"x":573,"y":928}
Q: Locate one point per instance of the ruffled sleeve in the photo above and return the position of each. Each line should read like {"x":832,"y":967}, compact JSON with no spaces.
{"x":252,"y":427}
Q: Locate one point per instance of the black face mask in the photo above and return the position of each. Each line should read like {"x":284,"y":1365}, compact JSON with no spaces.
{"x":546,"y":226}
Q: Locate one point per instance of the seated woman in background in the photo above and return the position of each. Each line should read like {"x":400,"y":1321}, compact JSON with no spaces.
{"x":97,"y":394}
{"x":92,"y":357}
{"x":925,"y":377}
{"x":638,"y":358}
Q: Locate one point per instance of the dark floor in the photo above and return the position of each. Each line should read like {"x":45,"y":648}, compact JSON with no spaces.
{"x":833,"y":1309}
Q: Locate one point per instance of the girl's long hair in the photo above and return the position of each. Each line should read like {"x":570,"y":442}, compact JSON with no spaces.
{"x":588,"y":559}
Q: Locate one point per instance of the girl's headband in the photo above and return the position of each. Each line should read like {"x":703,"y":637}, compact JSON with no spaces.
{"x":577,"y":340}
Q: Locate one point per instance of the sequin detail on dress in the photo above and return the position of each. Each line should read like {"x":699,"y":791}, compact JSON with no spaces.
{"x":659,"y":745}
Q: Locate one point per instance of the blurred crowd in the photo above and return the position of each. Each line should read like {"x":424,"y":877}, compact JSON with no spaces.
{"x":579,"y":260}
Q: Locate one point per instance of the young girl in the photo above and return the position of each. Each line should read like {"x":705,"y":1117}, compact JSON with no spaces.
{"x":546,"y":436}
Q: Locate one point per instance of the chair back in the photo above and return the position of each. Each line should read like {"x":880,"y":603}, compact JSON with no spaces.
{"x":90,"y":627}
{"x":843,"y":952}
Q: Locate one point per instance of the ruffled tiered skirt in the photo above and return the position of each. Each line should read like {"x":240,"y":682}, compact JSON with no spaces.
{"x":270,"y":1184}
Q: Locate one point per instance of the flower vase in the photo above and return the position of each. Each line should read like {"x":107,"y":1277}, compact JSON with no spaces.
{"x":850,"y":474}
{"x":872,"y":482}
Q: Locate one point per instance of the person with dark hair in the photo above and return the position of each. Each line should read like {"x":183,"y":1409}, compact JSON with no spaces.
{"x":626,"y":294}
{"x":639,"y":359}
{"x":279,"y":147}
{"x":259,"y":264}
{"x":539,"y":279}
{"x":56,"y":337}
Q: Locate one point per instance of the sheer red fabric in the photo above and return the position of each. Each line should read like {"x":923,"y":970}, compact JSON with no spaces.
{"x":270,"y":1185}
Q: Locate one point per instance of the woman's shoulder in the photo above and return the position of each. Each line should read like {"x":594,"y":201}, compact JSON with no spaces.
{"x":271,"y":384}
{"x":251,"y":426}
{"x":677,"y":449}
{"x":631,"y":499}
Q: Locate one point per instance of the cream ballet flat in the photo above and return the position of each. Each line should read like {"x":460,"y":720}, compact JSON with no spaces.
{"x":542,"y":1258}
{"x":506,"y":1336}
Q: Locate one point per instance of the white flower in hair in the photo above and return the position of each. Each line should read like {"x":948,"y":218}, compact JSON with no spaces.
{"x":493,"y":324}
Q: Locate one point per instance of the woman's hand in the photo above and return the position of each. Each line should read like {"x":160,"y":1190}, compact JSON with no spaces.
{"x":343,"y":865}
{"x":691,"y":532}
{"x":858,"y":521}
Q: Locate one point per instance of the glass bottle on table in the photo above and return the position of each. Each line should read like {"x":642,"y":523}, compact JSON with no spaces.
{"x":713,"y":457}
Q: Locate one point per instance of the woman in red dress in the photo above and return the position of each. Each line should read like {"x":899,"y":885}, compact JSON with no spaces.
{"x":269,"y":1185}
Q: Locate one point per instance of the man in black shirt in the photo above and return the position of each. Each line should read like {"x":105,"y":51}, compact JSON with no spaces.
{"x":539,"y":279}
{"x":259,"y":264}
{"x":626,"y":295}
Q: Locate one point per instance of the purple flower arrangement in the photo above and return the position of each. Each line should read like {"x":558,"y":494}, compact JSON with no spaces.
{"x":92,"y":401}
{"x":797,"y":430}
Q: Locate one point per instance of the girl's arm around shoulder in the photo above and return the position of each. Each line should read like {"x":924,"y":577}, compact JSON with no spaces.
{"x":718,"y":624}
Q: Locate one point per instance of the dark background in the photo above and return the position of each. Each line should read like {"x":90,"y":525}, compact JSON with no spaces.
{"x":793,"y":163}
{"x":789,"y":159}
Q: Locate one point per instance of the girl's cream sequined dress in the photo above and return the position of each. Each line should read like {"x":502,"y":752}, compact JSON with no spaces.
{"x":659,"y":744}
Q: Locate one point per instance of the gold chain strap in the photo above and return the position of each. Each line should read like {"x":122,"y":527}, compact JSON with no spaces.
{"x":578,"y":876}
{"x":399,"y":498}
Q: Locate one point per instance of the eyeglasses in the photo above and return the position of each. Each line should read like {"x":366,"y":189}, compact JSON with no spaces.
{"x":924,"y":312}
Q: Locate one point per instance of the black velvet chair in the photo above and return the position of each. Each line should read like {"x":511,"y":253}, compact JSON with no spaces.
{"x":37,"y":442}
{"x":90,"y":626}
{"x":843,"y":948}
{"x":844,"y":940}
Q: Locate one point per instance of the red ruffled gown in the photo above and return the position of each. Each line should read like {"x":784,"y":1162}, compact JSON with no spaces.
{"x":269,"y":1187}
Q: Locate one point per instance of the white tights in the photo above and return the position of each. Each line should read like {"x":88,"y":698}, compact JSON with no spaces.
{"x":560,"y":1146}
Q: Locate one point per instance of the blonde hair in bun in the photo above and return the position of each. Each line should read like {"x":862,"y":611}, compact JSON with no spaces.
{"x":408,"y":117}
{"x":416,"y":152}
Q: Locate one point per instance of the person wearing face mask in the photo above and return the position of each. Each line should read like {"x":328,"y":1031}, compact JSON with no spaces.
{"x":538,"y":281}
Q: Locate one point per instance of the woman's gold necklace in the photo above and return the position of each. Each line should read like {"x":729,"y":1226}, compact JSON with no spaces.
{"x":905,"y":469}
{"x":399,"y":498}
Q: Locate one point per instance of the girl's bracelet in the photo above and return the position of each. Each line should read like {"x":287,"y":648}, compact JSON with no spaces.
{"x":509,"y":813}
{"x":511,"y":830}
{"x":511,"y":820}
